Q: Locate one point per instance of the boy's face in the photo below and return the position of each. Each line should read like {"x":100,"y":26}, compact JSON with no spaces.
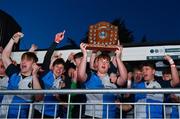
{"x":137,"y":75}
{"x":167,"y":77}
{"x":103,"y":65}
{"x":58,"y":70}
{"x":148,"y":73}
{"x":26,"y":65}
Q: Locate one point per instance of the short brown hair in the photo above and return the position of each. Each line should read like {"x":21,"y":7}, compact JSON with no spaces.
{"x":29,"y":56}
{"x":149,"y":64}
{"x":166,"y":71}
{"x":59,"y":61}
{"x":104,"y":56}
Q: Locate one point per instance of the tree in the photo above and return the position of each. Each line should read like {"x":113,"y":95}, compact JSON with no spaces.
{"x":125,"y":35}
{"x":144,"y":39}
{"x":8,"y":27}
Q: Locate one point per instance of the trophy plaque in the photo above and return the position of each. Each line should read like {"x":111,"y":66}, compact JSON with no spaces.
{"x":102,"y":36}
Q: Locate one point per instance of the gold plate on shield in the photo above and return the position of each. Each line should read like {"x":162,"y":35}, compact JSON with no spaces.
{"x":102,"y":36}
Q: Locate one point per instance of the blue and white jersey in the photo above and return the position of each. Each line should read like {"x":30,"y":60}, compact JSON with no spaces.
{"x":4,"y":82}
{"x":7,"y":99}
{"x":100,"y":111}
{"x":142,"y":111}
{"x":3,"y":85}
{"x":50,"y":83}
{"x":17,"y":82}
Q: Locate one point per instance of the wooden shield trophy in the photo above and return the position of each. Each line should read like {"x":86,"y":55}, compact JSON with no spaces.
{"x":102,"y":36}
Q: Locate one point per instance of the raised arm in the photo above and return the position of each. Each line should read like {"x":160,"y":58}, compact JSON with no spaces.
{"x":81,"y":71}
{"x":8,"y":49}
{"x":174,"y":72}
{"x":121,"y":68}
{"x":92,"y":59}
{"x":47,"y":58}
{"x":114,"y":61}
{"x":33,"y":48}
{"x":36,"y":83}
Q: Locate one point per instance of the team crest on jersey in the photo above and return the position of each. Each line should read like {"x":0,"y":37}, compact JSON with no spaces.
{"x":30,"y":85}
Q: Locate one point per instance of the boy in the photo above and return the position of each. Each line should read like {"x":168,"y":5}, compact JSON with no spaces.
{"x":100,"y":80}
{"x":142,"y":111}
{"x":24,"y":77}
{"x":52,"y":78}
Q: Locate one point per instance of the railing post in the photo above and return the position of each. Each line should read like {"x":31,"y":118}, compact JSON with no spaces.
{"x":93,"y":111}
{"x":69,"y":101}
{"x":42,"y":116}
{"x":164,"y":111}
{"x":55,"y":111}
{"x":30,"y":111}
{"x":120,"y":111}
{"x":80,"y":111}
{"x":149,"y":111}
{"x":135,"y":111}
{"x":19,"y":111}
{"x":107,"y":111}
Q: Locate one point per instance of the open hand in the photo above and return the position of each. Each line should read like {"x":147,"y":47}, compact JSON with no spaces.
{"x":83,"y":48}
{"x":17,"y":36}
{"x":59,"y":37}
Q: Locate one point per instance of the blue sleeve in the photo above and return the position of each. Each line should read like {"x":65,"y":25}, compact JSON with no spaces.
{"x":48,"y":80}
{"x":13,"y":82}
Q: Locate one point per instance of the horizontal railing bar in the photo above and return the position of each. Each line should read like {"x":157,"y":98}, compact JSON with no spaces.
{"x":123,"y":103}
{"x":89,"y":91}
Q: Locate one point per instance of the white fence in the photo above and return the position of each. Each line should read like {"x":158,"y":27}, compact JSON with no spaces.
{"x":132,"y":114}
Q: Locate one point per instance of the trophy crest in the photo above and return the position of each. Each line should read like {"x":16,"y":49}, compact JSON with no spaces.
{"x":102,"y":36}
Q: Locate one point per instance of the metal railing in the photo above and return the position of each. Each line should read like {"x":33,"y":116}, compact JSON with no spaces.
{"x":92,"y":91}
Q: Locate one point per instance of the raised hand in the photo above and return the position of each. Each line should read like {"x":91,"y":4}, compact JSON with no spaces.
{"x":83,"y":48}
{"x":17,"y":36}
{"x":59,"y":37}
{"x":35,"y":69}
{"x":118,"y":52}
{"x":33,"y":48}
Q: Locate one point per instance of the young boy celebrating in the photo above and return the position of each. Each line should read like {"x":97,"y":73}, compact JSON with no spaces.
{"x":100,"y":80}
{"x":24,"y":77}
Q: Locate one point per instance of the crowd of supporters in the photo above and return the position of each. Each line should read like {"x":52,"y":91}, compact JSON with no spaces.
{"x":101,"y":72}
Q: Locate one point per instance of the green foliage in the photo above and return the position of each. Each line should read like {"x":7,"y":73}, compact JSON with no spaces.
{"x":125,"y":35}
